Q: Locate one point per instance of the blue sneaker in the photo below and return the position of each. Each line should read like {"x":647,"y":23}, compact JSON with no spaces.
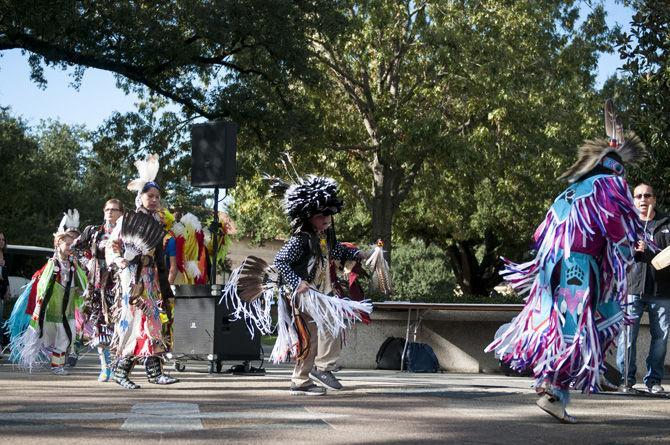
{"x":105,"y":375}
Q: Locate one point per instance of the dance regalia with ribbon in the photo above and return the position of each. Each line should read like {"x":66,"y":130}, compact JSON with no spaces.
{"x":139,"y":313}
{"x":97,"y":323}
{"x":576,"y":284}
{"x":42,"y":324}
{"x":136,"y":248}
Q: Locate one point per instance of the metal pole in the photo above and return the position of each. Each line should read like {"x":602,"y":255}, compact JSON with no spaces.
{"x":626,"y":357}
{"x":215,"y":239}
{"x":404,"y":348}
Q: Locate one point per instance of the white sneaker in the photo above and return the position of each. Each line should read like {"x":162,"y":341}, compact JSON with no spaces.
{"x":656,"y":388}
{"x":554,"y":407}
{"x":59,"y":370}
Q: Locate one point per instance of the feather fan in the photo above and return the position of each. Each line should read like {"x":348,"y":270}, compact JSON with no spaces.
{"x":140,"y":233}
{"x":254,"y":277}
{"x":381,"y":275}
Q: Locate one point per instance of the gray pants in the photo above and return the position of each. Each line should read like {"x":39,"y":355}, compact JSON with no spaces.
{"x":324,"y":350}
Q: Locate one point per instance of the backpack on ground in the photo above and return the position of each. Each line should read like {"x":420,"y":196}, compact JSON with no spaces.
{"x":390,"y":353}
{"x":420,"y":357}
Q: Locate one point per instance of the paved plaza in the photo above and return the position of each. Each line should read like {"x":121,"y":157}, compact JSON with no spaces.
{"x":376,"y":407}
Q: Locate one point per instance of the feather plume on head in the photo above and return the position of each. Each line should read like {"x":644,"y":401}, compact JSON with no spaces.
{"x":599,"y":153}
{"x":69,"y":222}
{"x":306,"y":197}
{"x":147,"y":169}
{"x":607,"y":156}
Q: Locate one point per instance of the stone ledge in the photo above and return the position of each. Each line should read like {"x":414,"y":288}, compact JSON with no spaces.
{"x":458,"y":334}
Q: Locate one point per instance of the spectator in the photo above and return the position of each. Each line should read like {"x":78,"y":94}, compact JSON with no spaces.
{"x":649,"y":290}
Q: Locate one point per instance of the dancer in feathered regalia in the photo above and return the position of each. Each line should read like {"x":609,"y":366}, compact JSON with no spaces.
{"x":137,"y":251}
{"x":311,"y":317}
{"x":576,"y":284}
{"x":97,"y":321}
{"x":42,"y":324}
{"x":189,"y":263}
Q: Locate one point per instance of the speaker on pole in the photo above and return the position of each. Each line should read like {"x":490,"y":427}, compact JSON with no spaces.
{"x":214,"y":146}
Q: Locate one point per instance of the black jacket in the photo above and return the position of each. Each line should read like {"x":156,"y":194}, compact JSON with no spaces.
{"x":643,"y":279}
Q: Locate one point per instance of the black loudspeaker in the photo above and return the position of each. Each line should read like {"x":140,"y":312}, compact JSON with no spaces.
{"x":214,"y":147}
{"x":202,"y":327}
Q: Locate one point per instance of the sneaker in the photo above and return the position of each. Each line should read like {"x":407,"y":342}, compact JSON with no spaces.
{"x":307,"y":390}
{"x":606,"y":385}
{"x":72,"y":360}
{"x":163,"y":379}
{"x":656,"y":388}
{"x":105,"y":375}
{"x":625,"y":388}
{"x":59,"y":370}
{"x":554,"y":407}
{"x":326,"y":378}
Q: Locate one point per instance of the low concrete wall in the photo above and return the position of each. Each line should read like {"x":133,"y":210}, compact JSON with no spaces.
{"x":458,"y":338}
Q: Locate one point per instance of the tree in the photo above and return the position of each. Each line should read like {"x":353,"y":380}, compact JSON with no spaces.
{"x":410,"y":104}
{"x":56,"y":167}
{"x":644,"y":89}
{"x":527,"y":101}
{"x":42,"y":178}
{"x":191,"y":51}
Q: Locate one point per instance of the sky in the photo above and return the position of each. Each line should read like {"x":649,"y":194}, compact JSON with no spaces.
{"x":98,"y":97}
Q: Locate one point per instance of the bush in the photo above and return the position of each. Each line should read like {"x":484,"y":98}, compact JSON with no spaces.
{"x":421,"y":273}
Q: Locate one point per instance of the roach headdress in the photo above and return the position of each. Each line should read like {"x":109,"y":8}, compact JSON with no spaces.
{"x":607,"y":155}
{"x":307,"y":197}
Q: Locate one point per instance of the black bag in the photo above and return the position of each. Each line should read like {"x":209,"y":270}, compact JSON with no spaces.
{"x":390,"y":353}
{"x":420,"y":357}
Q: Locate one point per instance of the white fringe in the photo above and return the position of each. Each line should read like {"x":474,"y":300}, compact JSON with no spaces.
{"x":332,"y":314}
{"x":30,"y":352}
{"x":255,"y":314}
{"x":286,"y":345}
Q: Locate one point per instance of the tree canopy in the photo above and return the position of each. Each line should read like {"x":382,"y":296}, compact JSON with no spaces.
{"x":444,"y":121}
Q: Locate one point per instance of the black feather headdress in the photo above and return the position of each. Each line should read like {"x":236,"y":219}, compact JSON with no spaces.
{"x":140,"y":233}
{"x":307,"y":197}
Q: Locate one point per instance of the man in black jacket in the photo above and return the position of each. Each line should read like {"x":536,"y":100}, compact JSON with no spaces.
{"x":648,"y":289}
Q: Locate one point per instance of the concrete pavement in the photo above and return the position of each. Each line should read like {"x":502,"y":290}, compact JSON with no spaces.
{"x":375,"y":407}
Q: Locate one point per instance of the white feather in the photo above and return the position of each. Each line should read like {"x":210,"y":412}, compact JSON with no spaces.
{"x":191,"y":220}
{"x":192,"y":269}
{"x":178,"y":229}
{"x":147,"y":169}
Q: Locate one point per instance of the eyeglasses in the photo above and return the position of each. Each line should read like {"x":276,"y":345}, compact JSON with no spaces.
{"x":643,"y":195}
{"x":112,"y":210}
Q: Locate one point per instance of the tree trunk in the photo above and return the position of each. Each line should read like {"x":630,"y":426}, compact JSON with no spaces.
{"x":383,"y":204}
{"x":473,"y":277}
